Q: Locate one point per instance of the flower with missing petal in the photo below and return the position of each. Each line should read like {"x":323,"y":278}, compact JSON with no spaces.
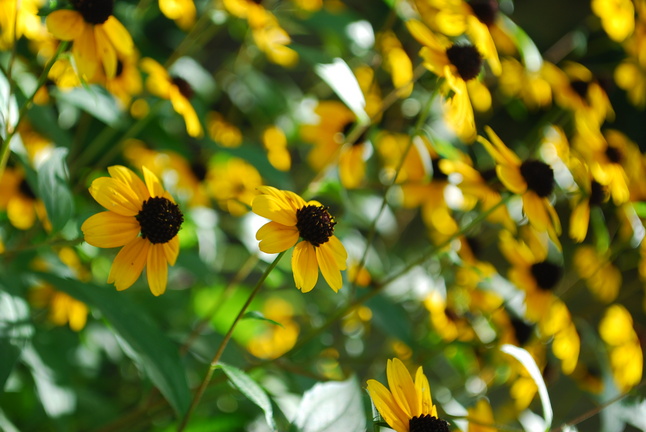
{"x":293,"y":218}
{"x":407,"y":406}
{"x":143,"y":218}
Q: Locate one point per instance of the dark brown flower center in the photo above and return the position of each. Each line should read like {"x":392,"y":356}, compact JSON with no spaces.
{"x":94,"y":11}
{"x":485,"y":10}
{"x":427,"y":423}
{"x":522,"y":330}
{"x":199,"y":169}
{"x":360,"y":139}
{"x":580,"y":87}
{"x":438,"y":174}
{"x":315,"y":224}
{"x":119,"y":68}
{"x":467,"y":60}
{"x":614,"y":154}
{"x":184,"y":87}
{"x":539,"y":177}
{"x":598,"y":193}
{"x":26,"y":190}
{"x":546,"y":275}
{"x":160,"y":220}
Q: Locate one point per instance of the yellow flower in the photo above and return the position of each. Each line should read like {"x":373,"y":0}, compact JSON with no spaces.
{"x":141,"y":217}
{"x":233,"y":183}
{"x":181,"y":11}
{"x":603,"y":279}
{"x":126,"y":82}
{"x":407,"y":405}
{"x":617,"y":17}
{"x":221,"y":131}
{"x":20,"y":202}
{"x":63,"y":309}
{"x":626,"y":357}
{"x":97,"y":35}
{"x":397,"y":63}
{"x":291,"y":217}
{"x":532,"y":179}
{"x":175,"y":89}
{"x":530,"y":86}
{"x":19,"y":18}
{"x":482,"y":415}
{"x":275,"y":142}
{"x":457,"y":64}
{"x":275,"y":340}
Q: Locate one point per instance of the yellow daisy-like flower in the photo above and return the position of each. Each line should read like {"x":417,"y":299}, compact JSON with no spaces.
{"x":407,"y":405}
{"x":532,"y":179}
{"x":181,"y":11}
{"x":143,"y":218}
{"x":18,"y":19}
{"x":617,"y":17}
{"x":233,"y":183}
{"x":177,"y":90}
{"x":293,"y":218}
{"x":97,"y":35}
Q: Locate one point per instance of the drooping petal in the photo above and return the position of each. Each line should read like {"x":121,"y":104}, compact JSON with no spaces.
{"x":387,"y":407}
{"x":105,"y":51}
{"x":131,"y":179}
{"x":85,"y":52}
{"x":171,"y":250}
{"x":305,"y":266}
{"x":338,"y":251}
{"x":65,"y":24}
{"x":129,"y":263}
{"x":276,"y":238}
{"x":401,"y":385}
{"x":108,"y":229}
{"x":183,"y":107}
{"x":115,"y":196}
{"x":275,"y":209}
{"x":119,"y":36}
{"x":157,"y":269}
{"x":329,"y":269}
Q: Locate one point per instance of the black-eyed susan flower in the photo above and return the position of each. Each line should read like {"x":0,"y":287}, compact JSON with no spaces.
{"x":96,"y":34}
{"x":19,"y":200}
{"x":457,"y":64}
{"x":532,"y":179}
{"x":181,"y":11}
{"x":603,"y":278}
{"x":617,"y":17}
{"x":233,"y":183}
{"x":407,"y":406}
{"x":293,"y":218}
{"x":177,"y":90}
{"x":18,"y":19}
{"x":143,"y":218}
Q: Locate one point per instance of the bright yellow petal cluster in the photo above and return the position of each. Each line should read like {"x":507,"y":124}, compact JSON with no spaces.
{"x":282,"y":208}
{"x":626,"y":357}
{"x":123,"y":195}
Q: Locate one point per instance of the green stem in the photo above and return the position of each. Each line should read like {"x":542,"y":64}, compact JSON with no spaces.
{"x":223,"y":344}
{"x":4,"y":144}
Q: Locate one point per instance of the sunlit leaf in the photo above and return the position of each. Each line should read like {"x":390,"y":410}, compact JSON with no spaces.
{"x":529,"y":364}
{"x":251,"y":390}
{"x":340,"y":78}
{"x":332,"y":407}
{"x":151,"y":348}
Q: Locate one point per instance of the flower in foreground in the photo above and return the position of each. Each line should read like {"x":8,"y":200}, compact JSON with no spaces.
{"x":141,"y":217}
{"x":293,"y":218}
{"x":407,"y":406}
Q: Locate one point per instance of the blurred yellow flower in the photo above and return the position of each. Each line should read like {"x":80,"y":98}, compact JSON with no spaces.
{"x":407,"y":406}
{"x":20,"y":202}
{"x":626,"y":356}
{"x":175,"y":89}
{"x":19,"y":18}
{"x":617,"y":17}
{"x":233,"y":183}
{"x":293,"y":218}
{"x":63,"y":309}
{"x":603,"y":279}
{"x":275,"y":340}
{"x":275,"y":142}
{"x":181,"y":11}
{"x":98,"y":37}
{"x":221,"y":131}
{"x":141,"y":217}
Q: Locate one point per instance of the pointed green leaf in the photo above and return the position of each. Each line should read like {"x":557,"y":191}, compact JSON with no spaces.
{"x":257,"y":315}
{"x":251,"y":390}
{"x":53,"y":189}
{"x":157,"y":354}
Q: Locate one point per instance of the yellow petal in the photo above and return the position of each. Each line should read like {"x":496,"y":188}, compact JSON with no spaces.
{"x":511,"y":177}
{"x":579,"y":221}
{"x":387,"y":407}
{"x":536,"y":212}
{"x":157,"y":270}
{"x":423,"y":391}
{"x":119,"y":36}
{"x":115,"y":196}
{"x":305,"y":266}
{"x":171,"y":250}
{"x":182,"y":106}
{"x":152,"y":183}
{"x":105,"y":51}
{"x":65,"y":24}
{"x":85,"y":52}
{"x":402,"y":387}
{"x":329,"y":269}
{"x":131,"y":179}
{"x":276,"y":238}
{"x":338,"y":252}
{"x":275,"y":209}
{"x":129,"y":263}
{"x":108,"y":229}
{"x":21,"y":212}
{"x":352,"y":168}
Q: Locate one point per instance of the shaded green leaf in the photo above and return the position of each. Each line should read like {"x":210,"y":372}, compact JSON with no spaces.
{"x":157,"y":354}
{"x":251,"y":390}
{"x":257,"y":315}
{"x":53,"y":188}
{"x":15,"y":330}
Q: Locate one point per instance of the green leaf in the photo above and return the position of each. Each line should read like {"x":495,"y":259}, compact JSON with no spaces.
{"x":15,"y":331}
{"x":251,"y":390}
{"x":340,"y":78}
{"x":94,"y":100}
{"x":528,"y":362}
{"x":53,"y":189}
{"x":332,"y":407}
{"x":257,"y":315}
{"x":157,"y":354}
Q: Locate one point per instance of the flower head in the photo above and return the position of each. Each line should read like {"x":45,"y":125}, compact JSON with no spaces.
{"x":293,"y":218}
{"x":407,"y":406}
{"x":141,"y":217}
